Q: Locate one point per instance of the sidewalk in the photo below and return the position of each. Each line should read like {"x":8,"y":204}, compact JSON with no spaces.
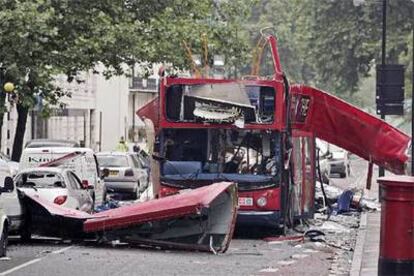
{"x":365,"y":259}
{"x":366,"y":253}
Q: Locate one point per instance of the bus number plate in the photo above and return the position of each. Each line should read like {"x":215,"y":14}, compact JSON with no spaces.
{"x":245,"y":201}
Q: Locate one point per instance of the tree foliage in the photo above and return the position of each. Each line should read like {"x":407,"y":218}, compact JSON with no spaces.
{"x":42,"y":38}
{"x":333,"y":43}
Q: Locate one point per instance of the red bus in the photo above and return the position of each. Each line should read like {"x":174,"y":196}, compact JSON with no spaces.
{"x":202,"y":143}
{"x":259,"y":133}
{"x":213,"y":130}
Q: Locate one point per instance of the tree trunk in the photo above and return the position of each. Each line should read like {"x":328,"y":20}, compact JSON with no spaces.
{"x":1,"y":126}
{"x":2,"y":108}
{"x":22,"y":112}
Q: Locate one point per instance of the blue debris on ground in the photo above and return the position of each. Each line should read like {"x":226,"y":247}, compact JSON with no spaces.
{"x":110,"y":204}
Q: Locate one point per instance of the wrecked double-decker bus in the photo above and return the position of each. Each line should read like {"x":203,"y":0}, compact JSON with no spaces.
{"x":223,"y":130}
{"x":259,"y":133}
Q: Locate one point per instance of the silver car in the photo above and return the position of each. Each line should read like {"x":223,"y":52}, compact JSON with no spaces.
{"x":124,"y":173}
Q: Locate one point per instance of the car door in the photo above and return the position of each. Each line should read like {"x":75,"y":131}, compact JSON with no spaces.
{"x":82,"y":195}
{"x":10,"y":203}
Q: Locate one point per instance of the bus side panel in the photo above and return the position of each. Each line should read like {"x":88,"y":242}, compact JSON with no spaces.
{"x":303,"y":175}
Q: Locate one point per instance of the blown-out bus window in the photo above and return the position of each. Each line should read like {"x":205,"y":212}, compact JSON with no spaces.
{"x":232,"y":103}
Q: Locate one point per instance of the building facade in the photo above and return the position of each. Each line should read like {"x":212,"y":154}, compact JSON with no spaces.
{"x":98,"y":112}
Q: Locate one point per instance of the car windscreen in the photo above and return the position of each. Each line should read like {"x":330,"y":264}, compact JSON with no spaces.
{"x":116,"y":161}
{"x":40,"y":180}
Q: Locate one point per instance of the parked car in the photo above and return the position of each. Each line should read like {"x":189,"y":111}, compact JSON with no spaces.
{"x":58,"y":185}
{"x":124,"y":172}
{"x":339,"y":162}
{"x":144,"y":159}
{"x":4,"y":221}
{"x":41,"y":143}
{"x":323,"y":153}
{"x":80,"y":160}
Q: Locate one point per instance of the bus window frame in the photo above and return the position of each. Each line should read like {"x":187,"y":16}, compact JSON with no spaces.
{"x":279,"y":116}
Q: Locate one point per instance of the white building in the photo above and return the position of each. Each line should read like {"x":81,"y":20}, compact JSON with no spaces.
{"x":96,"y":115}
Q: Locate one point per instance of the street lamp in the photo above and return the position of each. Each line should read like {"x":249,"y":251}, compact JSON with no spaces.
{"x":8,"y":87}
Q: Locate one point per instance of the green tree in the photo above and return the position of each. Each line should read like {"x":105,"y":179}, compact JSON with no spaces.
{"x":42,"y":38}
{"x":333,"y":44}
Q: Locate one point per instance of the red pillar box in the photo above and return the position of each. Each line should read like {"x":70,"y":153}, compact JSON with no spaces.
{"x":397,"y":226}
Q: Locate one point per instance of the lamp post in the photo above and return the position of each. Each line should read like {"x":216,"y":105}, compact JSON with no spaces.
{"x":384,"y":40}
{"x":412,"y":104}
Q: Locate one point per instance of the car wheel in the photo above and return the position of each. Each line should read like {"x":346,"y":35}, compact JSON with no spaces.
{"x":3,"y":241}
{"x":342,"y":175}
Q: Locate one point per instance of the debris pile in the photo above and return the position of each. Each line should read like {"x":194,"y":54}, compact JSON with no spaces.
{"x":342,"y":201}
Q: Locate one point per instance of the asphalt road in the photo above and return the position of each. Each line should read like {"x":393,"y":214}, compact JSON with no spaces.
{"x":244,"y":257}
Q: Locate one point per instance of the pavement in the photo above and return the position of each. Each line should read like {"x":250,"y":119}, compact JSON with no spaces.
{"x":366,"y":252}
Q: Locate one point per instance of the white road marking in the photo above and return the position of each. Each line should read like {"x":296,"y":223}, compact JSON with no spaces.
{"x":20,"y":266}
{"x":61,"y":250}
{"x":275,"y":242}
{"x":269,"y":269}
{"x":299,"y":256}
{"x":11,"y":270}
{"x":286,"y":262}
{"x":310,"y":251}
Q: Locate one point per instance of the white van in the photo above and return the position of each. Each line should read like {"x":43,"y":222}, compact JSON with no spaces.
{"x":80,"y":160}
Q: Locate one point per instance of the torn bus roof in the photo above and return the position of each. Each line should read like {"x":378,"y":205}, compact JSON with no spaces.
{"x":334,"y":121}
{"x":151,"y":111}
{"x":344,"y":125}
{"x":56,"y":210}
{"x":200,"y":219}
{"x":190,"y":202}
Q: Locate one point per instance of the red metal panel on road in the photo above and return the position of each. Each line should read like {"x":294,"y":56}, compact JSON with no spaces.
{"x":169,"y":207}
{"x":57,"y":210}
{"x":348,"y":127}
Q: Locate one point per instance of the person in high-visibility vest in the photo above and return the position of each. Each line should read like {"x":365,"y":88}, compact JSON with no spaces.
{"x":122,"y":145}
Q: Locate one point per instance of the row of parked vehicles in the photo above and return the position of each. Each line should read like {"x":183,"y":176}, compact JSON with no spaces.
{"x":73,"y":177}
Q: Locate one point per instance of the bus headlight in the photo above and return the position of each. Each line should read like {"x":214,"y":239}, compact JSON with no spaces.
{"x":261,"y":201}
